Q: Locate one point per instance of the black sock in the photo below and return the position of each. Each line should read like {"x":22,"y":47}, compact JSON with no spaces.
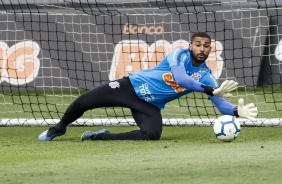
{"x":61,"y":126}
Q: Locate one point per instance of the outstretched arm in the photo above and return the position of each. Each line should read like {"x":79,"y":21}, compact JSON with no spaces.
{"x":182,"y":79}
{"x":224,"y":106}
{"x":249,"y":111}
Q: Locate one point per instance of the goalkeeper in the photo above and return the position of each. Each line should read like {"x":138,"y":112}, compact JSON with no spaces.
{"x":146,"y":92}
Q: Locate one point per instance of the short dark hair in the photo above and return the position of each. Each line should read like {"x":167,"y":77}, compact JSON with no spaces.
{"x":200,"y":34}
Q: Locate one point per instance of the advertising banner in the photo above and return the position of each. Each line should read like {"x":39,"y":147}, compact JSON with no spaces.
{"x":82,"y":50}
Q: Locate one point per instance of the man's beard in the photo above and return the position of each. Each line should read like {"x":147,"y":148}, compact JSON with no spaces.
{"x":194,"y":56}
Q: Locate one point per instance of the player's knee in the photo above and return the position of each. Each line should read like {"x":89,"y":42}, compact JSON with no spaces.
{"x":155,"y":137}
{"x":152,"y":135}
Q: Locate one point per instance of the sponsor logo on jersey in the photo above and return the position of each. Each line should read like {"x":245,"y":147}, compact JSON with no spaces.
{"x":114,"y":84}
{"x":167,"y":77}
{"x":145,"y":92}
{"x":202,"y":70}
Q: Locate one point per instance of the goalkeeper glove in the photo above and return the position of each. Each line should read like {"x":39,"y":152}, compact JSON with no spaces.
{"x":223,"y":90}
{"x":249,"y":111}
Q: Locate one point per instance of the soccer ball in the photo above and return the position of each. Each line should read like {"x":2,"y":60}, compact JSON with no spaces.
{"x":226,"y":128}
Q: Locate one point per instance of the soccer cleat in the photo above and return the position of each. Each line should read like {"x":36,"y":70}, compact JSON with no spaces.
{"x":50,"y":134}
{"x":91,"y":135}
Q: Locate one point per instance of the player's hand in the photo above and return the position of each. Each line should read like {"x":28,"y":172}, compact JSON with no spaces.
{"x":225,"y":88}
{"x":249,"y":111}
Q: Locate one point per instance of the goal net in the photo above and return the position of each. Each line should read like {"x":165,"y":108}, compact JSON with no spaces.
{"x":53,"y":51}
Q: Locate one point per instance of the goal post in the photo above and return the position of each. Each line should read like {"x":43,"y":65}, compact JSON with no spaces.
{"x":53,"y":51}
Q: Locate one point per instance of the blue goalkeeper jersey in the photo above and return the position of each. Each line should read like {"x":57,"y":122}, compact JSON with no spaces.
{"x":157,"y":86}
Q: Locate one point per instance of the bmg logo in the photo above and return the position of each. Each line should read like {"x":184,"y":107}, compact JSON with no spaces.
{"x":131,"y":56}
{"x":19,"y":64}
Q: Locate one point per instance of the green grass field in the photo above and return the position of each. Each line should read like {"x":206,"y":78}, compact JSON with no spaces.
{"x":183,"y":155}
